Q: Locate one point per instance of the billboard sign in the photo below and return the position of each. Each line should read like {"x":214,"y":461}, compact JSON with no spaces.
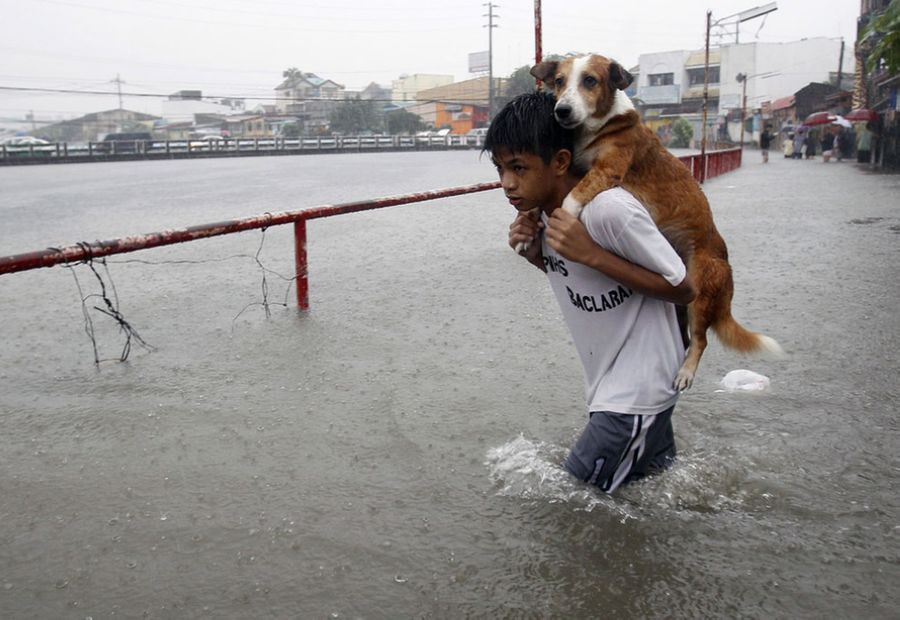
{"x":479,"y":62}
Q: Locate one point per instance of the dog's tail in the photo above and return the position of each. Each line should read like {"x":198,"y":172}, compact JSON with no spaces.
{"x":735,"y":336}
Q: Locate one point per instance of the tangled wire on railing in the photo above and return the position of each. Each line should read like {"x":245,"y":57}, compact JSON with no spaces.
{"x":111,"y":308}
{"x":265,"y":303}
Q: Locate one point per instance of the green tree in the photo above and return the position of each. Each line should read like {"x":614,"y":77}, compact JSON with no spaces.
{"x":291,"y":73}
{"x":521,"y":82}
{"x":882,"y":39}
{"x":403,"y":122}
{"x":292,"y":130}
{"x":682,"y":133}
{"x":354,"y":116}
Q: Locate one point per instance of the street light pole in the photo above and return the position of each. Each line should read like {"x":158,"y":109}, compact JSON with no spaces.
{"x":742,"y":78}
{"x":705,"y":101}
{"x":490,"y":26}
{"x":743,"y":16}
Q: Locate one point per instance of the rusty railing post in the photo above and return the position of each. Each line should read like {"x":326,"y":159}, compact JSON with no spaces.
{"x":301,"y":270}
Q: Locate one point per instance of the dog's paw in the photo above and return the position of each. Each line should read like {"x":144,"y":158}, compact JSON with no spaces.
{"x":571,"y":205}
{"x":683,"y":380}
{"x":522,"y":247}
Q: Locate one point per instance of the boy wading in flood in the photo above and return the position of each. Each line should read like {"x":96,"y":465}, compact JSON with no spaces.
{"x":616,"y":279}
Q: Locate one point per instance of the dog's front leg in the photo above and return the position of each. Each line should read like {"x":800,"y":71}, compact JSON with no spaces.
{"x":603,"y":175}
{"x":573,"y":205}
{"x":523,"y":246}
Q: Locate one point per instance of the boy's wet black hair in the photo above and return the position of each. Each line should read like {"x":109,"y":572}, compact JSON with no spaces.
{"x":527,"y":125}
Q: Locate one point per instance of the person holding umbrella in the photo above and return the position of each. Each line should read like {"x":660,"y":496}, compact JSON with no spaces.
{"x":812,"y":143}
{"x":846,"y":136}
{"x":835,"y":143}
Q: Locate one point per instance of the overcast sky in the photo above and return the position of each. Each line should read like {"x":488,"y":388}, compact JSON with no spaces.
{"x":240,"y":47}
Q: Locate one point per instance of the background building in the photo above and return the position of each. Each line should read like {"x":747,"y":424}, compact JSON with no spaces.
{"x":182,"y":106}
{"x":876,"y":89}
{"x":309,"y":98}
{"x":460,"y":107}
{"x":406,"y":87}
{"x":670,"y":84}
{"x":93,"y":127}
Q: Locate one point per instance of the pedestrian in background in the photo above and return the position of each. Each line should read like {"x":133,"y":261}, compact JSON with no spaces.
{"x":799,"y":139}
{"x":787,"y":147}
{"x":812,"y":143}
{"x":765,"y":140}
{"x":833,"y":140}
{"x":840,"y":143}
{"x":864,"y":144}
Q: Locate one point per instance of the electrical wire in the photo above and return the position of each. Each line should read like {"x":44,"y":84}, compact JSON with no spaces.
{"x":460,"y":99}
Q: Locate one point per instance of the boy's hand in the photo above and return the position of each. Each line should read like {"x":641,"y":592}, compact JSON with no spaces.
{"x":568,"y":236}
{"x":525,"y":228}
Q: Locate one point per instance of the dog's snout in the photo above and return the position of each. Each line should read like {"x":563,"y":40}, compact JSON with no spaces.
{"x":563,"y":111}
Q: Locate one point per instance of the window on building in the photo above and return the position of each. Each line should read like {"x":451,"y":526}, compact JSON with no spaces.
{"x":661,"y":79}
{"x":695,"y":76}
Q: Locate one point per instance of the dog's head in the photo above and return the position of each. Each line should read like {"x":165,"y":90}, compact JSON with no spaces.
{"x":585,"y":87}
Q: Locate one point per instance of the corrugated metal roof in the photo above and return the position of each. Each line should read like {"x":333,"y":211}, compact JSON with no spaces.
{"x":783,"y":102}
{"x":467,"y":92}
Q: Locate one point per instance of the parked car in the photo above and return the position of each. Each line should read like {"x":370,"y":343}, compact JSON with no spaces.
{"x":23,"y":141}
{"x":208,"y":143}
{"x":132,"y":142}
{"x":25,"y":146}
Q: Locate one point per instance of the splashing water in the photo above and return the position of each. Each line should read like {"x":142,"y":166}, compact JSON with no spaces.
{"x":696,"y":483}
{"x":532,"y":470}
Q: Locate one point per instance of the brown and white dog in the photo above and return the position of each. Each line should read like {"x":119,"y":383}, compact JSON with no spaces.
{"x":616,"y":149}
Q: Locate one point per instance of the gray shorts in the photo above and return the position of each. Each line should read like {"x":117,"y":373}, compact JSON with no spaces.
{"x":618,"y":448}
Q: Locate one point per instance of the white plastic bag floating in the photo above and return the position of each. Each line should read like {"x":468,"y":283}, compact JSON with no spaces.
{"x":744,"y":381}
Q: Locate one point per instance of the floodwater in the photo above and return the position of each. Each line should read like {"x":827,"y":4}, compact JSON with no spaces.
{"x":394,"y":452}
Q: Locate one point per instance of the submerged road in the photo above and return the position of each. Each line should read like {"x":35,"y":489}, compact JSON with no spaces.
{"x":394,"y":452}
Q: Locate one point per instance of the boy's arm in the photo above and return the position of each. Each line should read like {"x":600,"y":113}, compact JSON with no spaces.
{"x":570,"y":238}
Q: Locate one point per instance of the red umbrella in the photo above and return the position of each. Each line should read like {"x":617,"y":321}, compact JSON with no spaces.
{"x":819,"y":118}
{"x":862,"y":115}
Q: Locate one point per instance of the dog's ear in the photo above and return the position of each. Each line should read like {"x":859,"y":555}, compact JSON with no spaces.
{"x":619,"y":77}
{"x":544,"y":71}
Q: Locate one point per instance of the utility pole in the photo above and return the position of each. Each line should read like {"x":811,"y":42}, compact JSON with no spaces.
{"x":742,"y":78}
{"x":118,"y":82}
{"x":490,"y":26}
{"x":705,"y":100}
{"x":840,"y":75}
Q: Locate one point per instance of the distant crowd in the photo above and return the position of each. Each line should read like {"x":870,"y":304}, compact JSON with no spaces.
{"x":833,"y":142}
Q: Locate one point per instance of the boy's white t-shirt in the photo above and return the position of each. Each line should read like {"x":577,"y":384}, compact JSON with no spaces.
{"x":630,"y":345}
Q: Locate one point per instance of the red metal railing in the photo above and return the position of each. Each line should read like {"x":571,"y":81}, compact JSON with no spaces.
{"x":87,"y":251}
{"x":717,"y":162}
